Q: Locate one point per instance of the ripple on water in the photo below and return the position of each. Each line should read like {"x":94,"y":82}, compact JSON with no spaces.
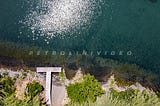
{"x":58,"y":18}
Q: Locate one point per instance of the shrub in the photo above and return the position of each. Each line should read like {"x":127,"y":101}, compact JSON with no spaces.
{"x":62,"y":76}
{"x":33,"y":89}
{"x":7,"y":85}
{"x":69,"y":73}
{"x":85,"y":91}
{"x":140,"y":99}
{"x":28,"y":101}
{"x":7,"y":93}
{"x":126,"y":95}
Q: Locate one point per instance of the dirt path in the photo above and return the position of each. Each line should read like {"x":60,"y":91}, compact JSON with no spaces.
{"x":58,"y":94}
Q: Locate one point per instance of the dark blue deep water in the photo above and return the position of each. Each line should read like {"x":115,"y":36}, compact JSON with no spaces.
{"x":127,"y":25}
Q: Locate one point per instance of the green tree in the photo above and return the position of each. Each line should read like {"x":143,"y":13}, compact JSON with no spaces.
{"x":7,"y":85}
{"x":87,"y":90}
{"x":33,"y":89}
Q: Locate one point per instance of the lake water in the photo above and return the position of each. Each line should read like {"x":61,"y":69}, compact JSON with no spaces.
{"x":91,"y":25}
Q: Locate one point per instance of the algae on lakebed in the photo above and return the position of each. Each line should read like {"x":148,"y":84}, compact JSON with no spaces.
{"x":120,"y":25}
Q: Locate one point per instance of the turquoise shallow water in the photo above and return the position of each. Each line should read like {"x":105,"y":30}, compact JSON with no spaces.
{"x":127,"y":25}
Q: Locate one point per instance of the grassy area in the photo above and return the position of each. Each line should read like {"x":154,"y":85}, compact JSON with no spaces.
{"x":139,"y":99}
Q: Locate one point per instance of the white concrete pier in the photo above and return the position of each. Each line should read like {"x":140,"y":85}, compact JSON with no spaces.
{"x":48,"y":71}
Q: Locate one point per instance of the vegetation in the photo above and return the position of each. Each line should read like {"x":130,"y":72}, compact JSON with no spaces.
{"x":7,"y":93}
{"x":7,"y":85}
{"x":62,"y":76}
{"x":126,"y":95}
{"x":87,"y":90}
{"x":69,"y":73}
{"x":125,"y":98}
{"x":33,"y":89}
{"x":13,"y":101}
{"x":129,"y":97}
{"x":126,"y":73}
{"x":14,"y":54}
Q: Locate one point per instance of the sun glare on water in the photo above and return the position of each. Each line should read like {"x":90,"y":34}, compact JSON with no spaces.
{"x":61,"y":18}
